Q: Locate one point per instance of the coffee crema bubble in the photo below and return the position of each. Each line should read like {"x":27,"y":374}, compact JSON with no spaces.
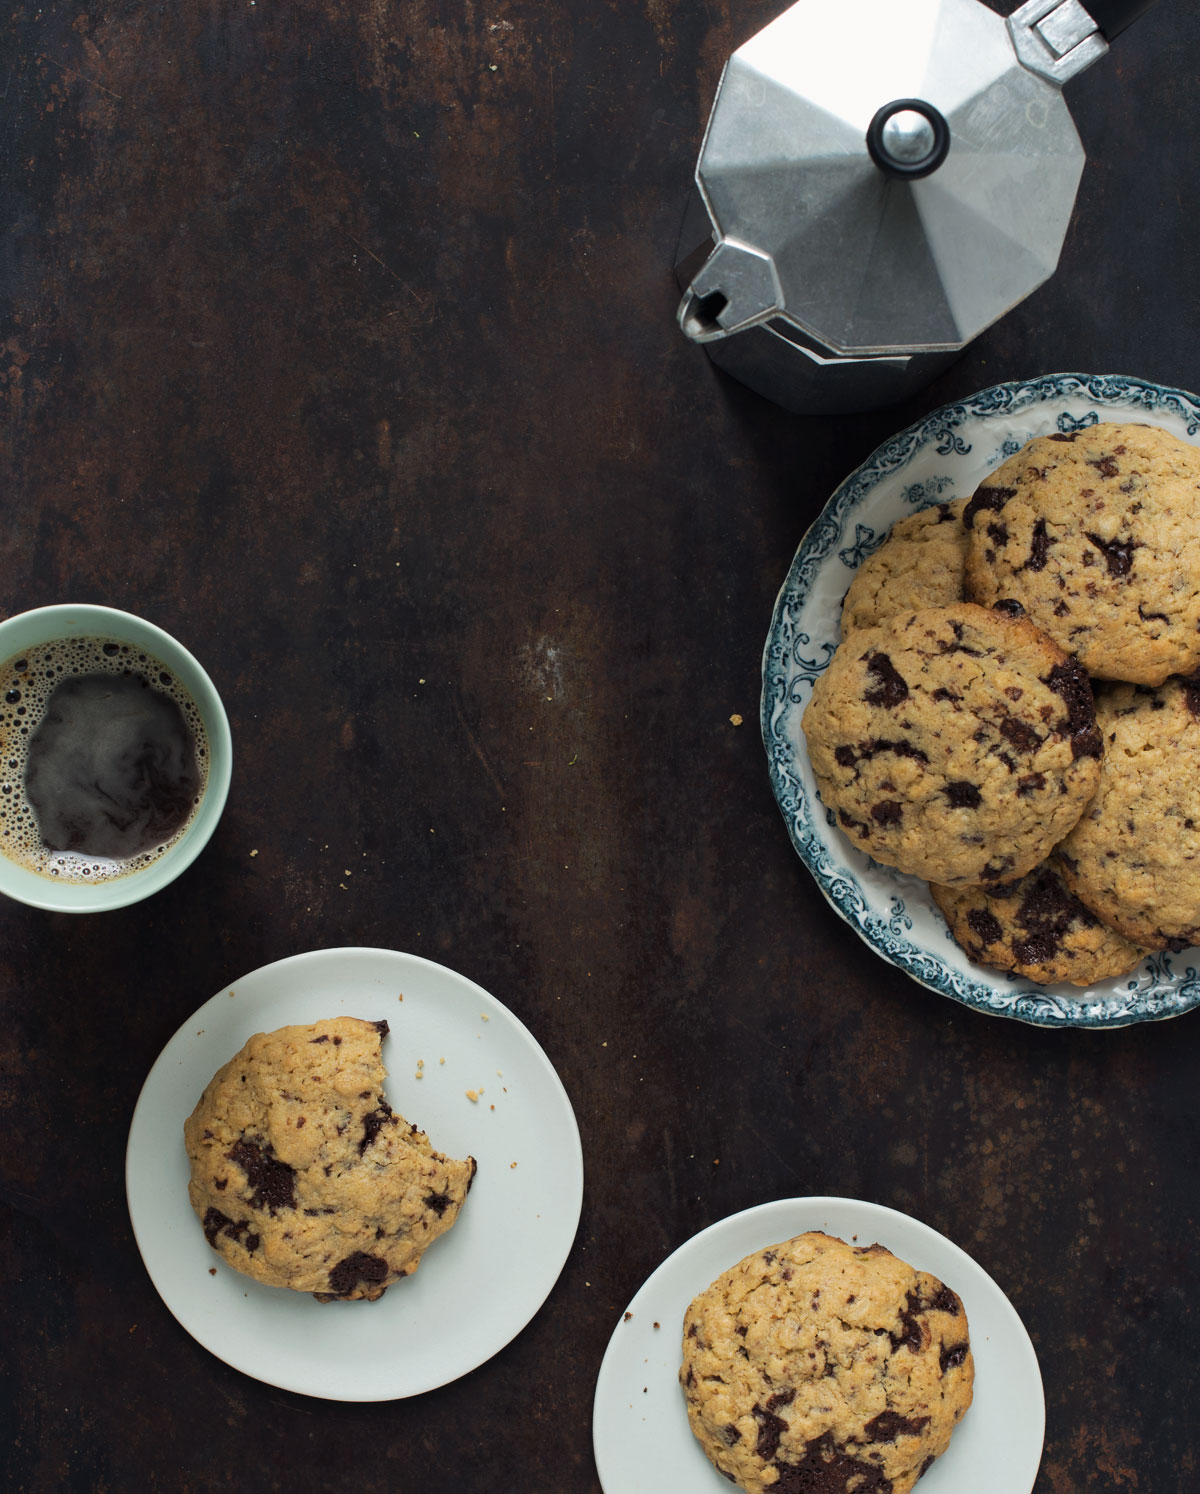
{"x":103,"y":759}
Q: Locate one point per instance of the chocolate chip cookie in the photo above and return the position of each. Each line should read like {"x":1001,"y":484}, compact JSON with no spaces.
{"x":1097,"y":534}
{"x":921,"y":563}
{"x":302,"y":1174}
{"x":955,"y":743}
{"x":1038,"y":928}
{"x":817,"y":1365}
{"x":1134,"y":857}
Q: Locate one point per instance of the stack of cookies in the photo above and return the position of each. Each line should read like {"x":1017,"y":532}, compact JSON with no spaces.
{"x":1013,"y":713}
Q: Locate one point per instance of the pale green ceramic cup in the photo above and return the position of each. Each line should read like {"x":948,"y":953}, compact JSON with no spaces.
{"x":26,"y":631}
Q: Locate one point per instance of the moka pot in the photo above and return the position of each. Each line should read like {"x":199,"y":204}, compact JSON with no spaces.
{"x":881,"y":180}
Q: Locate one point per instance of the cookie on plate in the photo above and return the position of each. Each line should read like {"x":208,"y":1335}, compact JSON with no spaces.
{"x":955,"y":743}
{"x":1097,"y":534}
{"x":302,"y":1176}
{"x":921,"y":563}
{"x":1038,"y":928}
{"x":819,"y":1365}
{"x":1134,"y":857}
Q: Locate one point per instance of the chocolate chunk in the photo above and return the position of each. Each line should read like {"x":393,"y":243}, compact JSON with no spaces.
{"x":730,"y":1433}
{"x":1047,"y":901}
{"x":887,"y":812}
{"x":1152,"y":616}
{"x":1009,"y":606}
{"x":781,"y":1398}
{"x":986,"y":925}
{"x":998,"y":532}
{"x":889,"y":1425}
{"x":958,"y":646}
{"x":1118,"y":554}
{"x":892,"y":689}
{"x":944,"y":1300}
{"x":1191,"y":695}
{"x":324,"y":1038}
{"x":912,"y":1333}
{"x":826,"y":1468}
{"x":1023,"y":737}
{"x":215,"y":1223}
{"x":1106,"y":466}
{"x":273,"y":1182}
{"x":1063,"y":436}
{"x":360,"y":1266}
{"x":770,"y":1429}
{"x":944,"y":513}
{"x":1071,"y":682}
{"x":438,"y":1202}
{"x":941,"y":693}
{"x":899,"y":749}
{"x":374,"y":1122}
{"x":846,"y":756}
{"x":953,"y":1355}
{"x":1039,"y":548}
{"x":1038,"y":948}
{"x":963,"y":795}
{"x":1030,"y":783}
{"x":985,"y":497}
{"x":381,"y":1027}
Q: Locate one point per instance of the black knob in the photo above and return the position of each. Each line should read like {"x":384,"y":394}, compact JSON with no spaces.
{"x":908,"y":138}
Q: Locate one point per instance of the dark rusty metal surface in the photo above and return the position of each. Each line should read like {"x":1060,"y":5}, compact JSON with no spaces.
{"x":338,"y":339}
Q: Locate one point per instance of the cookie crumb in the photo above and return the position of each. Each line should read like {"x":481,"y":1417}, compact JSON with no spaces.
{"x":254,"y":853}
{"x":627,"y":1317}
{"x":473,"y":1096}
{"x":212,"y":1270}
{"x":735,"y":719}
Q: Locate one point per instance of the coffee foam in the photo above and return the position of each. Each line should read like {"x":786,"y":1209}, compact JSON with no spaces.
{"x":27,"y":681}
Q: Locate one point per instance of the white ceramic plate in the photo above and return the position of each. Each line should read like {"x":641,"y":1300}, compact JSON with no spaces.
{"x":640,"y":1432}
{"x":475,"y":1290}
{"x":944,"y":456}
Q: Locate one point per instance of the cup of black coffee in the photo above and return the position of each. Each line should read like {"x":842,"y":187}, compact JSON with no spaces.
{"x":115,"y":758}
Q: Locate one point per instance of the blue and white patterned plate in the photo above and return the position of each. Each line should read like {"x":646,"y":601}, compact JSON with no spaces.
{"x":941,"y":457}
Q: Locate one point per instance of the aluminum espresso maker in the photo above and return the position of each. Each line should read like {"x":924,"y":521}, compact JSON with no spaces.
{"x":880,"y":180}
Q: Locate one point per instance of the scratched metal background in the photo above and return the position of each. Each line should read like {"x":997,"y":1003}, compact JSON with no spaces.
{"x":338,"y":339}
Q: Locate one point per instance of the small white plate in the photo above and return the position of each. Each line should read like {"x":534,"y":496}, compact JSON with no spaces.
{"x":643,"y":1443}
{"x":942,"y":457}
{"x":478,"y":1285}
